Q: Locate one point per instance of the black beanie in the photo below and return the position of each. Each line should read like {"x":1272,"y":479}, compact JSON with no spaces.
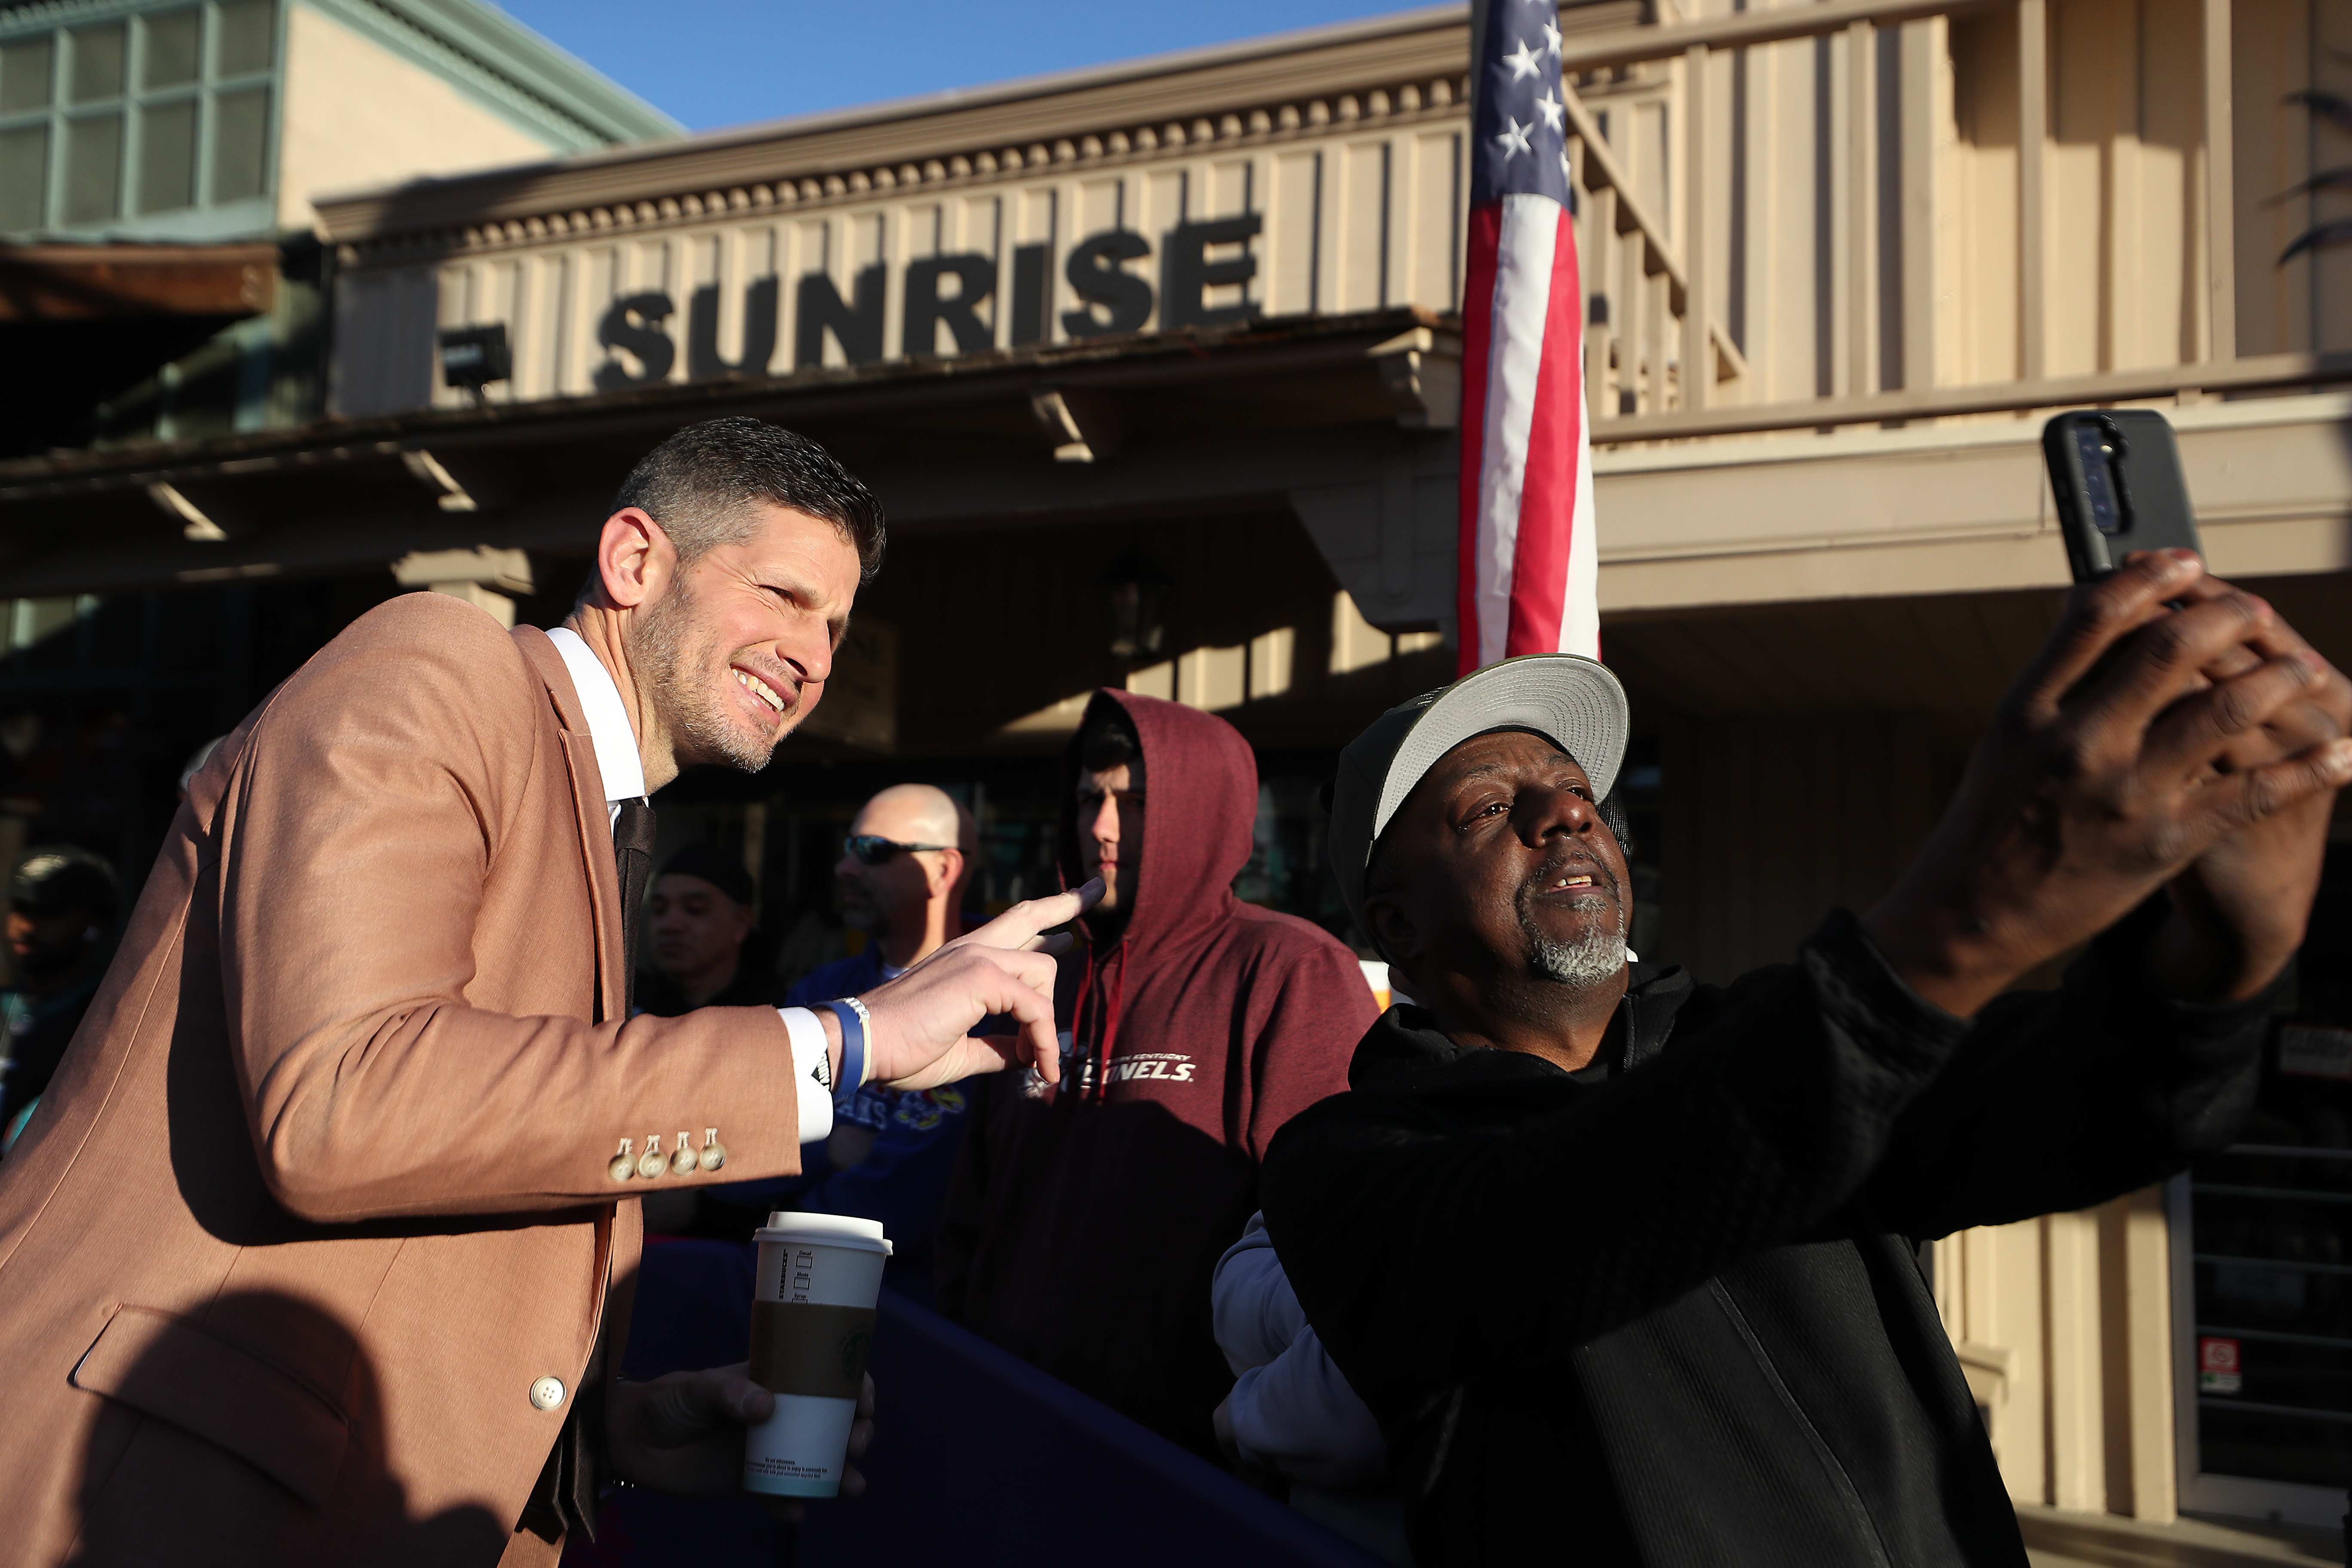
{"x":715,"y":865}
{"x":55,"y":877}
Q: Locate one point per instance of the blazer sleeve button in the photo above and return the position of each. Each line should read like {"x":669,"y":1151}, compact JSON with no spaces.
{"x":547,"y":1394}
{"x":650,"y":1163}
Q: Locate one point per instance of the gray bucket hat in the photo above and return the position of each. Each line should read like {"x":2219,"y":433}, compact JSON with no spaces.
{"x":1571,"y":701}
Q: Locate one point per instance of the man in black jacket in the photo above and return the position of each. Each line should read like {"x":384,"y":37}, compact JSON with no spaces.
{"x":1625,"y":1265}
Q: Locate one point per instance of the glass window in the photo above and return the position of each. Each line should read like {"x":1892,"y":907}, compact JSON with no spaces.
{"x":171,"y":54}
{"x":248,"y":37}
{"x":167,"y":156}
{"x":24,"y":177}
{"x":24,"y":75}
{"x":97,"y":63}
{"x":93,"y":169}
{"x":240,"y":138}
{"x":2272,"y":1229}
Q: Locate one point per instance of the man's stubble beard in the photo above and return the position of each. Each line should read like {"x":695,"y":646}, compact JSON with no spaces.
{"x":1591,"y":958}
{"x":687,"y":708}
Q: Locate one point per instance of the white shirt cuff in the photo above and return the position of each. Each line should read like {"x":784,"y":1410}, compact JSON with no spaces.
{"x":811,"y":1073}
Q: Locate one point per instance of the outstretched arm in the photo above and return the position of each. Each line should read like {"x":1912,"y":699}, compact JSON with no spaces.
{"x":2065,"y":1098}
{"x":2148,"y":1055}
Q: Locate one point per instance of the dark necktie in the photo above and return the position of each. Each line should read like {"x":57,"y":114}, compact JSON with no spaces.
{"x":633,"y":852}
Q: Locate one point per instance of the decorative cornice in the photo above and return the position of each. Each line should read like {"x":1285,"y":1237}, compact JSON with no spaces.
{"x":1394,"y":105}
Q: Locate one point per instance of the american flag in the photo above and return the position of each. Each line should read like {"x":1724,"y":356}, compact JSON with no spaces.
{"x":1529,"y":580}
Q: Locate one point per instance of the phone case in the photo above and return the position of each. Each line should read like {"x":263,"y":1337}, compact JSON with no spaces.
{"x":2115,"y":473}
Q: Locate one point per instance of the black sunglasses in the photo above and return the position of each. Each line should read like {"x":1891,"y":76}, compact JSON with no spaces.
{"x":873,"y":849}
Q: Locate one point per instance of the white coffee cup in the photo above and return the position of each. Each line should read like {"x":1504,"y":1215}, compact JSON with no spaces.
{"x":811,"y":1321}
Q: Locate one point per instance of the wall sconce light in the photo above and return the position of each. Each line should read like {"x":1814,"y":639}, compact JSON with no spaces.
{"x":473,"y":357}
{"x":1135,"y":590}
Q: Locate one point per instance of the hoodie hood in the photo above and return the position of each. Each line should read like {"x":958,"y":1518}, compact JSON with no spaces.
{"x":1200,"y":790}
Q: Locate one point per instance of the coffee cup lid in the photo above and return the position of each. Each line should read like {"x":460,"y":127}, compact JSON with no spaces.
{"x":833,"y":1230}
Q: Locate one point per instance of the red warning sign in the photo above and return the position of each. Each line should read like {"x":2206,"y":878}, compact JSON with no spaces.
{"x":2218,"y":1370}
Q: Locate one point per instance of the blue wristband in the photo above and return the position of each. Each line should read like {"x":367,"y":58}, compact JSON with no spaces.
{"x":852,"y":1077}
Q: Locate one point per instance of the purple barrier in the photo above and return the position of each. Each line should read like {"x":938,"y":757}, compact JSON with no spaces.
{"x":979,"y":1458}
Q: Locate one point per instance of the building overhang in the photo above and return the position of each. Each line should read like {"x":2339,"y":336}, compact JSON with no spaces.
{"x":1227,"y":418}
{"x":109,"y":282}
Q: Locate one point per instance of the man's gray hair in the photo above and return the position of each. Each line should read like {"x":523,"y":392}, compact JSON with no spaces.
{"x":702,"y":484}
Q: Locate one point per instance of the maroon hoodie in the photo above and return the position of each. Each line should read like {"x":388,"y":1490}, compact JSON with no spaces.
{"x":1085,"y":1220}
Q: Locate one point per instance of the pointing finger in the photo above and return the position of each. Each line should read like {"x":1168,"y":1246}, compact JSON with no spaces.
{"x":1017,"y":926}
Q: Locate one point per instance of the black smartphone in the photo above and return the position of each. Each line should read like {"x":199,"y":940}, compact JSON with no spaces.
{"x":2116,"y":475}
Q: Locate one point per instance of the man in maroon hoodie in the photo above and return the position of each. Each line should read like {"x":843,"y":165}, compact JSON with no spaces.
{"x":1085,"y":1219}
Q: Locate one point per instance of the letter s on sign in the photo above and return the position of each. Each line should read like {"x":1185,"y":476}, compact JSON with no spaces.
{"x":1096,"y":277}
{"x":634,"y":324}
{"x":1184,"y":1073}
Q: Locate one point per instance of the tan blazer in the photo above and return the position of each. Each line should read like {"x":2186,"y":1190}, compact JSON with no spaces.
{"x":321,"y":1192}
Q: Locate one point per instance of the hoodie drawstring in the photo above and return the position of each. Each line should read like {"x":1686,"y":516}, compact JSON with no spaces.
{"x":1118,"y":995}
{"x":1097,"y":1051}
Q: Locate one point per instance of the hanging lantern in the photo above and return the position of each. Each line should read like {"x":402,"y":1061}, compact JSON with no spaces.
{"x":1136,"y":589}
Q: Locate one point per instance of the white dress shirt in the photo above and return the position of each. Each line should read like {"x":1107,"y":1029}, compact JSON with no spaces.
{"x":623,"y":771}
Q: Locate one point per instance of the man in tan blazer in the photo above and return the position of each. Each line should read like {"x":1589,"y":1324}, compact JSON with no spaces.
{"x":310,"y":1249}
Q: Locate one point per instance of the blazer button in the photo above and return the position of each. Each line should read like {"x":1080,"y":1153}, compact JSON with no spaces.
{"x":547,"y":1394}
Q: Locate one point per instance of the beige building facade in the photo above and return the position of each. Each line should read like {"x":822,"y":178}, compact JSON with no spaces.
{"x":1187,"y":328}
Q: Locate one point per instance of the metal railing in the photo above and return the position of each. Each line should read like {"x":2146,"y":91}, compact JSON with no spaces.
{"x":1652,"y":266}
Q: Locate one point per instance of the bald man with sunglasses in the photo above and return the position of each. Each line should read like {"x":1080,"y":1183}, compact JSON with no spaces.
{"x":902,"y":870}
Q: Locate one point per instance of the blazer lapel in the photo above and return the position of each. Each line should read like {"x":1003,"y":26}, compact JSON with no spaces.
{"x":594,"y":817}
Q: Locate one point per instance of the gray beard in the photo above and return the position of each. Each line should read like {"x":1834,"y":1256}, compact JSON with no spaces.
{"x":1589,"y":961}
{"x":684,"y":705}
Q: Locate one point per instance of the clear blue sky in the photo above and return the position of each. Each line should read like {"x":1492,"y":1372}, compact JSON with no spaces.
{"x":727,"y":62}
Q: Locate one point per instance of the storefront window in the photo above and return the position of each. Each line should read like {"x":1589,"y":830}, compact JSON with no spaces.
{"x":173,"y":57}
{"x":93,"y":168}
{"x":249,"y":37}
{"x":240,"y":143}
{"x":24,"y":75}
{"x":2271,"y":1221}
{"x":159,"y":114}
{"x":23,"y":176}
{"x":97,"y":64}
{"x":167,"y":162}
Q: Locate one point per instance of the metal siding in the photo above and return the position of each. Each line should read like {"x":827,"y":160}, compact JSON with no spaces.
{"x":1286,"y":253}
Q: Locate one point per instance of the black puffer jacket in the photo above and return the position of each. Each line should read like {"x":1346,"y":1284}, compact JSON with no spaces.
{"x":1667,"y":1311}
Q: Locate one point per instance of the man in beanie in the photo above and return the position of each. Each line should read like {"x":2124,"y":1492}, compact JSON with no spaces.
{"x":60,"y":908}
{"x":700,"y":913}
{"x":1624,"y":1265}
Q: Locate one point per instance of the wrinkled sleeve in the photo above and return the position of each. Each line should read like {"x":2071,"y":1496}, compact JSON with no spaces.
{"x":1256,"y":1313}
{"x":2063,"y":1100}
{"x":1290,"y":1407}
{"x":1527,"y":1238}
{"x":1299,"y":1415}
